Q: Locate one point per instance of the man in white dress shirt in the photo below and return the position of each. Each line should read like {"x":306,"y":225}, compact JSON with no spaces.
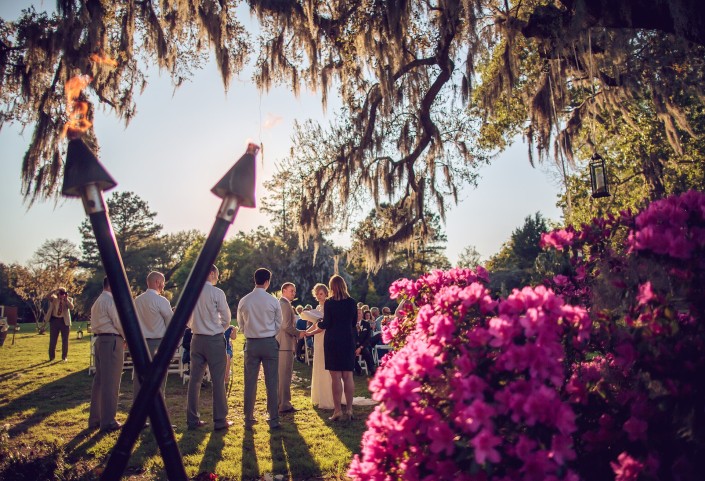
{"x":259,"y":317}
{"x":210,"y":318}
{"x":109,"y":350}
{"x":154,"y":313}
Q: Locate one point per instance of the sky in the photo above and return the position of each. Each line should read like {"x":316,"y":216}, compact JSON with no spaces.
{"x":181,"y":142}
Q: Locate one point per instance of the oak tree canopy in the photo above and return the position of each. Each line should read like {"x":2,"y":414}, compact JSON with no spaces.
{"x":430,"y":88}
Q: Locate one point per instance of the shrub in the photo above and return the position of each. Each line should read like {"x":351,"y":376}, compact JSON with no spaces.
{"x":598,"y":374}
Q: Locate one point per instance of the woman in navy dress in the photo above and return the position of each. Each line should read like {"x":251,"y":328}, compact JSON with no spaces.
{"x":339,"y":321}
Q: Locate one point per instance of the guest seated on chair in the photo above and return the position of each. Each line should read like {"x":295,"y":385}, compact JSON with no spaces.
{"x":364,"y":346}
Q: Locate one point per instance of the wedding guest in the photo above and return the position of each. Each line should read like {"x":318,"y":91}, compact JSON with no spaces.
{"x":363,"y":345}
{"x":375,"y":314}
{"x":379,"y":319}
{"x":210,"y":318}
{"x":340,"y":321}
{"x":303,"y":325}
{"x":109,"y":351}
{"x":59,"y":318}
{"x":321,"y":382}
{"x":260,"y":317}
{"x":153,"y":313}
{"x":230,"y":334}
{"x":186,"y":344}
{"x":287,"y":337}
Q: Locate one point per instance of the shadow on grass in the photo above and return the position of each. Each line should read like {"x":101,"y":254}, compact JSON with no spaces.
{"x":10,"y":374}
{"x":291,"y":455}
{"x":55,"y":396}
{"x":250,"y":466}
{"x":213,"y":452}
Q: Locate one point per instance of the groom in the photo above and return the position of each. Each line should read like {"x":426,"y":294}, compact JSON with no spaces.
{"x":287,"y":337}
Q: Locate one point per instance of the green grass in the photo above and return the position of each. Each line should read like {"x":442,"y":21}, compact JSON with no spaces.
{"x":44,"y":415}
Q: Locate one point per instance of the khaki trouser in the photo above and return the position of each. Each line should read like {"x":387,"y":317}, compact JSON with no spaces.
{"x":286,"y":372}
{"x":153,"y":345}
{"x":109,"y":352}
{"x":207,"y":351}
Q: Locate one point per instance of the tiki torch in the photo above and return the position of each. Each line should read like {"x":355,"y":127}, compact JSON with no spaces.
{"x":237,"y":189}
{"x":85,"y":177}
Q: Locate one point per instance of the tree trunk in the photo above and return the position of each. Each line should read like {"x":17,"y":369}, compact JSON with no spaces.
{"x":652,"y":169}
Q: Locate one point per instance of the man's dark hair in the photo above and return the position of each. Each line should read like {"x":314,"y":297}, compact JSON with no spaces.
{"x":106,"y":282}
{"x":262,"y":275}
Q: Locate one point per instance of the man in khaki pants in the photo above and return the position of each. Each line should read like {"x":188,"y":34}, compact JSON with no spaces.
{"x":154,"y":313}
{"x":109,"y":348}
{"x":287,"y":337}
{"x":208,"y":322}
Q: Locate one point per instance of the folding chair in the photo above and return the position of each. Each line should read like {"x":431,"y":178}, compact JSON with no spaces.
{"x":363,"y":365}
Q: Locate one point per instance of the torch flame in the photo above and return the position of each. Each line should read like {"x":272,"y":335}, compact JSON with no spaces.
{"x":76,"y":109}
{"x":103,"y":59}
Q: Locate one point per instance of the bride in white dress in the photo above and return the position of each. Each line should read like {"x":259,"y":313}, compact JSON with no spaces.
{"x":321,"y":383}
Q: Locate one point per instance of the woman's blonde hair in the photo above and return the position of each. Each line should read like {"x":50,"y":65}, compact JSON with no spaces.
{"x":318,"y":287}
{"x":338,"y":288}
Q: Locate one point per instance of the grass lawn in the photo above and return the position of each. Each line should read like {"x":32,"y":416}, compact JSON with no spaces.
{"x":44,"y":418}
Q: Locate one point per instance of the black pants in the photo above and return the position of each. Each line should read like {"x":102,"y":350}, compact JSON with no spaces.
{"x":367,"y":357}
{"x":56,"y":326}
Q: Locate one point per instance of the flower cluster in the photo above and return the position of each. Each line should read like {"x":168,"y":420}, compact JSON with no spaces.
{"x":598,"y":374}
{"x":413,"y":295}
{"x":673,"y":227}
{"x":475,"y":390}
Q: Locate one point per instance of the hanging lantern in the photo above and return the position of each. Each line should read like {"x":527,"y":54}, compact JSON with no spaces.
{"x":598,"y":177}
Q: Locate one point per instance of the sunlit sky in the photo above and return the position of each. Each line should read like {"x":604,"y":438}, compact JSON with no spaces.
{"x":181,"y":142}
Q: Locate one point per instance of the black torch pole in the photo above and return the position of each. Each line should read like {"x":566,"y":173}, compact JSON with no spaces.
{"x":119,"y":285}
{"x":236,"y":189}
{"x":151,"y":383}
{"x":84,"y":177}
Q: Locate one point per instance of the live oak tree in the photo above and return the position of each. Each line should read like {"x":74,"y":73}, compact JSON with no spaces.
{"x":428,"y":89}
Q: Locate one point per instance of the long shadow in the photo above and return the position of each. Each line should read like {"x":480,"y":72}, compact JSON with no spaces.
{"x":10,"y":374}
{"x":348,"y":432}
{"x":213,"y":452}
{"x":250,"y":466}
{"x":283,"y":444}
{"x":57,"y":395}
{"x":78,"y":447}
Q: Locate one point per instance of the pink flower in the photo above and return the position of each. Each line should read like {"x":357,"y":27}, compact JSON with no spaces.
{"x":558,"y":239}
{"x":626,"y":468}
{"x":484,"y":444}
{"x":635,"y":429}
{"x":646,"y":293}
{"x":561,"y":449}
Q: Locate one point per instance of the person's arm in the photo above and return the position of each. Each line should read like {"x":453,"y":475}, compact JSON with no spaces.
{"x":113,"y":315}
{"x":277,"y":316}
{"x":223,"y":309}
{"x":69,"y":302}
{"x":327,"y":311}
{"x":240,"y":316}
{"x":165,"y":310}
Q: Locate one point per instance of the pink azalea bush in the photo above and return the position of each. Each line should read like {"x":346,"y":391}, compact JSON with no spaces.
{"x":598,"y":374}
